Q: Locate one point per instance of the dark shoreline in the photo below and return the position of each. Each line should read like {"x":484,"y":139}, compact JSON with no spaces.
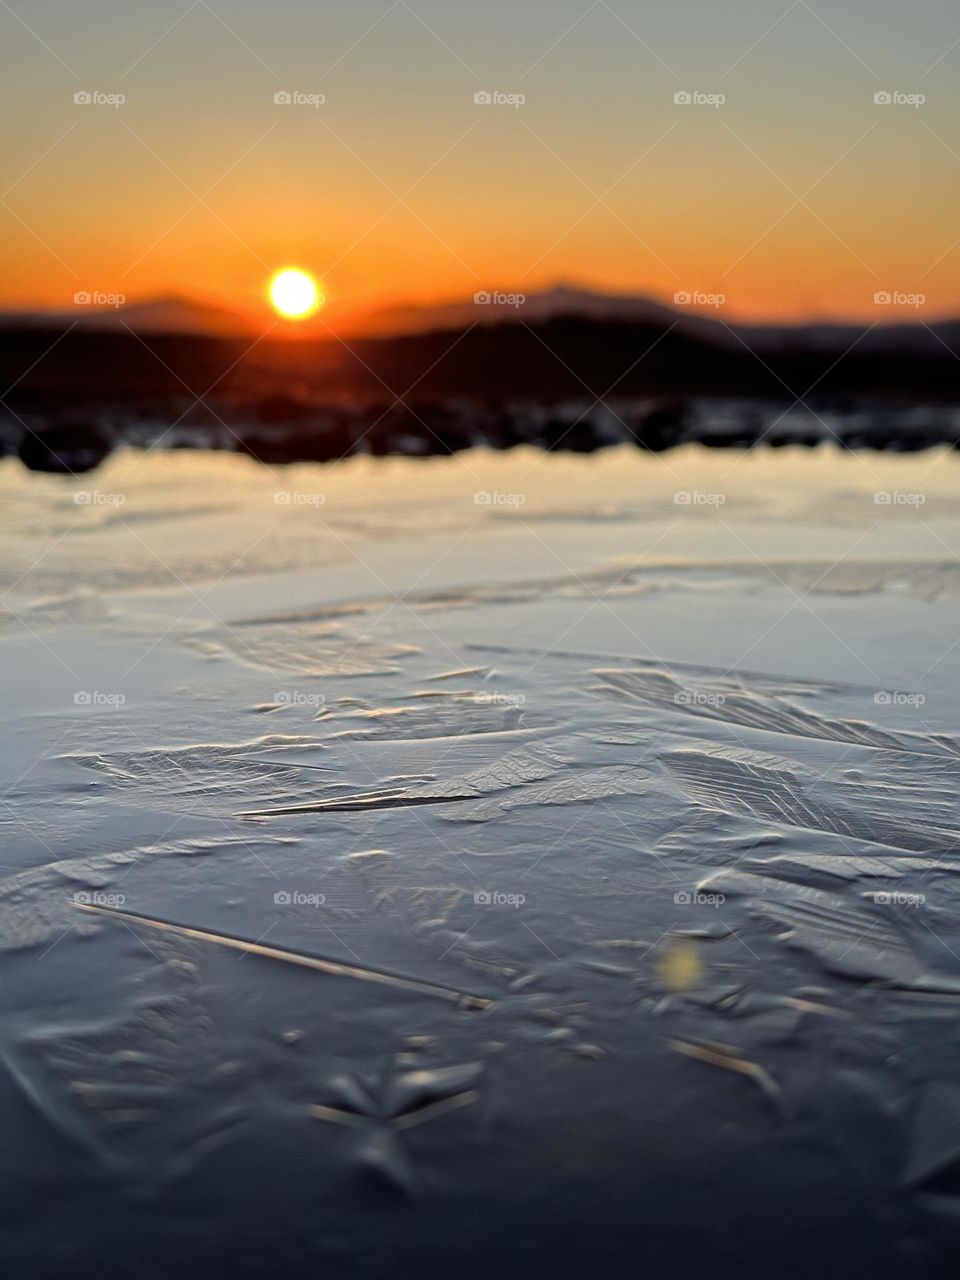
{"x":283,"y":429}
{"x":568,"y":384}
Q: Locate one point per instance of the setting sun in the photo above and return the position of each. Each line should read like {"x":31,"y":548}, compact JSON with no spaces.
{"x":294,"y":294}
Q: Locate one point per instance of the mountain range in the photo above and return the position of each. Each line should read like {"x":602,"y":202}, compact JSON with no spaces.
{"x":191,"y":317}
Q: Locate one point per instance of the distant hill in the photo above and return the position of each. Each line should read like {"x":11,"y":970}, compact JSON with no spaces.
{"x":172,"y":314}
{"x":564,"y":301}
{"x":181,"y":315}
{"x":548,"y":304}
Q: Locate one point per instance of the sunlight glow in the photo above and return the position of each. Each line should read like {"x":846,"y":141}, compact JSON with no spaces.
{"x":294,"y":294}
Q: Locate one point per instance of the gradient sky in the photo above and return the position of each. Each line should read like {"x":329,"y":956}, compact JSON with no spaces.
{"x":400,"y":188}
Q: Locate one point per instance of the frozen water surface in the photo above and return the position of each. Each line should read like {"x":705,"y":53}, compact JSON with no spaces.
{"x":488,"y":863}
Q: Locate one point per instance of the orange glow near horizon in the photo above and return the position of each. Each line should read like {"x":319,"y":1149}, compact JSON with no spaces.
{"x":797,"y":199}
{"x":795,"y":272}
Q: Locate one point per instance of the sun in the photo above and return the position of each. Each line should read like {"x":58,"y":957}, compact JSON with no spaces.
{"x":294,"y":294}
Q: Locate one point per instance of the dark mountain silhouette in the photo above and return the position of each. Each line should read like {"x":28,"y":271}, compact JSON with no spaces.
{"x":185,"y":316}
{"x":172,"y":314}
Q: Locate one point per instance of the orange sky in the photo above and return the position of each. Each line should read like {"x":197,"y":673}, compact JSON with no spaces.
{"x":796,"y":197}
